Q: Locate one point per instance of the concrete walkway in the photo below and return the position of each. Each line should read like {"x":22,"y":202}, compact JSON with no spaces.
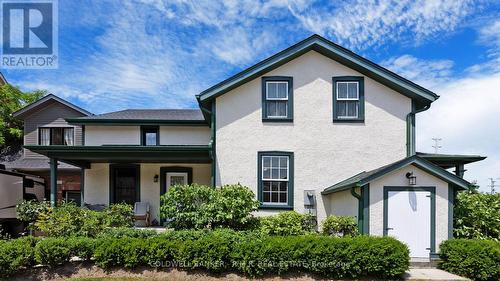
{"x":431,"y":274}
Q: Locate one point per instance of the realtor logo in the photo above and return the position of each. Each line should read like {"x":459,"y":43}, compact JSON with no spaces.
{"x":29,"y":34}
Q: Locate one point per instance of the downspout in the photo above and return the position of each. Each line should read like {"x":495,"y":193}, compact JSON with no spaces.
{"x":211,"y":144}
{"x":360,"y":207}
{"x":410,"y":128}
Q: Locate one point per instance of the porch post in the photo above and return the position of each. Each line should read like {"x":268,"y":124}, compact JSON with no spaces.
{"x":53,"y":181}
{"x":82,"y":187}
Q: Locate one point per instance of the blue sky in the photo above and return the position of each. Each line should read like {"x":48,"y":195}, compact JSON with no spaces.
{"x":159,"y":54}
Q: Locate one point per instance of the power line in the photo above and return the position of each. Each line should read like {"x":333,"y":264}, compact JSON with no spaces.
{"x":493,"y":185}
{"x":436,"y":144}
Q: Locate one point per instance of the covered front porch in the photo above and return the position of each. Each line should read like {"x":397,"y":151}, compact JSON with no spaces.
{"x":123,"y":173}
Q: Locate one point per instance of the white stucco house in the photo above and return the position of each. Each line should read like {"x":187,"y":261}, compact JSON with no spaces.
{"x":314,"y":128}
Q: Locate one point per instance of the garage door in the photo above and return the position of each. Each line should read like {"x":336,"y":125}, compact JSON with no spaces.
{"x":409,"y":219}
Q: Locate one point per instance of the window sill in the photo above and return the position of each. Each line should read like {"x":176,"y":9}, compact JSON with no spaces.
{"x":276,"y":207}
{"x":278,"y":120}
{"x":337,"y":120}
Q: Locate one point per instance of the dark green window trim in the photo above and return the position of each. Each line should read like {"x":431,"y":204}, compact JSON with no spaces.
{"x":163,"y":179}
{"x":112,"y":168}
{"x":288,"y":206}
{"x":432,"y":190}
{"x":287,"y":79}
{"x":150,"y":129}
{"x":361,"y":85}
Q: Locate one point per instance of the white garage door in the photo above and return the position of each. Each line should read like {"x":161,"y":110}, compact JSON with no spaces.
{"x":409,"y":220}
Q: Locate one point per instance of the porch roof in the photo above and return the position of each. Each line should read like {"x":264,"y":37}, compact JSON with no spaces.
{"x":447,"y":161}
{"x":82,"y":156}
{"x":365,"y":177}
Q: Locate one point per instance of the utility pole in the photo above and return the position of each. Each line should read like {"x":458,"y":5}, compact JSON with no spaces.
{"x":436,"y":144}
{"x":493,"y":185}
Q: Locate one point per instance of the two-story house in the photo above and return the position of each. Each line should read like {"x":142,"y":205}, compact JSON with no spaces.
{"x":314,"y":128}
{"x":45,"y":125}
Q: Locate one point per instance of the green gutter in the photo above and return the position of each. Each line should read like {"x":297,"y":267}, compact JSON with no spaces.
{"x":360,"y":208}
{"x":410,"y":128}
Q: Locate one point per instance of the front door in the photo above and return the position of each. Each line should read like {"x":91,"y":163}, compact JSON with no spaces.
{"x":125,"y":185}
{"x":409,"y":219}
{"x":176,"y":178}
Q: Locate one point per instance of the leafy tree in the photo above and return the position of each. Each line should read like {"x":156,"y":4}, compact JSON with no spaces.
{"x":11,"y":100}
{"x":477,"y":216}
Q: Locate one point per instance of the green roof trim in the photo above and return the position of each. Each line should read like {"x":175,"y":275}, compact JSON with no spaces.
{"x":111,"y":122}
{"x":82,"y":156}
{"x":450,"y":160}
{"x":326,"y":47}
{"x":364,"y":178}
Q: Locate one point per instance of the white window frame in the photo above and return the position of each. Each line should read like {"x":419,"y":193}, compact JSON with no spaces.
{"x":348,"y":99}
{"x":276,"y":180}
{"x":277,"y":99}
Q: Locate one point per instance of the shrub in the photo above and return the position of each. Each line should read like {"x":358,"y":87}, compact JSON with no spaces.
{"x":340,"y":226}
{"x":15,"y":254}
{"x":53,"y":251}
{"x":29,"y":210}
{"x":119,"y":215}
{"x":286,"y":223}
{"x":252,"y":253}
{"x":70,"y":220}
{"x":231,"y":207}
{"x":128,"y":252}
{"x":476,"y":216}
{"x":475,"y":259}
{"x":119,"y":232}
{"x":199,"y":206}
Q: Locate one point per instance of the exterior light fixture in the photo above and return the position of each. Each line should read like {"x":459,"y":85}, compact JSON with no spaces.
{"x":412,"y":179}
{"x":155,"y":179}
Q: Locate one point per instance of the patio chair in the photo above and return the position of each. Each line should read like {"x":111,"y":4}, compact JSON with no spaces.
{"x":142,"y":214}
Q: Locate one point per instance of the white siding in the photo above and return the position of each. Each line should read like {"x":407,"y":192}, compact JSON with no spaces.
{"x":105,"y":135}
{"x":97,"y":183}
{"x":324,"y":152}
{"x":173,"y":135}
{"x":398,"y":178}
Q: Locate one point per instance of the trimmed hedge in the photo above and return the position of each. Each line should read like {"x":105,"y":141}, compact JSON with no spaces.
{"x":475,"y":259}
{"x":15,"y":254}
{"x":251,"y":253}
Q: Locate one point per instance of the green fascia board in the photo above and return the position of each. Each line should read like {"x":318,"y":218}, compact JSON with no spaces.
{"x":323,"y":46}
{"x":413,"y":160}
{"x":452,"y":158}
{"x":82,"y":156}
{"x":137,"y":122}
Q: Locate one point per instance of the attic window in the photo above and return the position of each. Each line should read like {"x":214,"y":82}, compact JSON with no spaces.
{"x":277,"y":99}
{"x":150,"y":136}
{"x":348,"y":99}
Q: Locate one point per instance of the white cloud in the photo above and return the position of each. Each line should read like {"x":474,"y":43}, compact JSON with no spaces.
{"x":361,"y":24}
{"x":428,"y":73}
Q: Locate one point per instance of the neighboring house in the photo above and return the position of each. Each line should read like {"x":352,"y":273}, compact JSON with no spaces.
{"x":45,"y":125}
{"x":315,"y":128}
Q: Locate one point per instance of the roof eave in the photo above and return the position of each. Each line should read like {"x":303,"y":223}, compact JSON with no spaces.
{"x":329,"y":49}
{"x":124,"y":122}
{"x":25,"y":110}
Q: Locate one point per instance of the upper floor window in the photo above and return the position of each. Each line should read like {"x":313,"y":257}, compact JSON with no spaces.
{"x":150,"y":136}
{"x":277,"y":99}
{"x":56,"y":136}
{"x":348,"y":99}
{"x":275,"y":179}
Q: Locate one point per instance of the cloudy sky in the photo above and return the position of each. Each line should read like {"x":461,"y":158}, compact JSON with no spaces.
{"x":159,"y":54}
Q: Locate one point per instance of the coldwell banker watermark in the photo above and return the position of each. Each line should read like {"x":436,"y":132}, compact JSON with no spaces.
{"x":29,"y":34}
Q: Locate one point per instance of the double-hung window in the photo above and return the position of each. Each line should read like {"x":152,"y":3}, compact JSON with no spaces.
{"x":56,"y":136}
{"x":277,"y":99}
{"x":275,"y":179}
{"x":348,"y":99}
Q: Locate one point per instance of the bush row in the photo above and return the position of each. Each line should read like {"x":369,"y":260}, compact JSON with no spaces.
{"x":475,"y":259}
{"x":251,"y":253}
{"x":68,"y":219}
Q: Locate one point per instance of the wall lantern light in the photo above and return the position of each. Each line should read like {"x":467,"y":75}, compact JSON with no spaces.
{"x":155,"y":179}
{"x":412,"y":179}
